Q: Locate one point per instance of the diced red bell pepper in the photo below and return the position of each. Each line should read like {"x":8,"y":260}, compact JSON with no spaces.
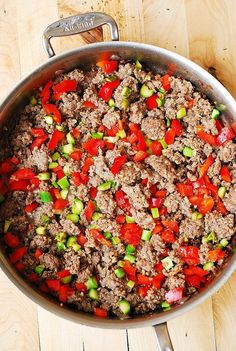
{"x":120,"y":219}
{"x":76,"y":155}
{"x":100,"y":238}
{"x":100,"y":312}
{"x":20,"y":185}
{"x":52,"y":110}
{"x":185,"y":189}
{"x":35,"y":182}
{"x":225,"y":134}
{"x":118,"y":163}
{"x":205,"y":166}
{"x":195,"y":270}
{"x":190,"y":103}
{"x":89,"y":210}
{"x":23,"y":173}
{"x":206,"y":205}
{"x":130,"y":271}
{"x":166,"y":82}
{"x":144,"y":181}
{"x":20,"y":266}
{"x":161,"y":193}
{"x":213,"y":188}
{"x":216,"y":255}
{"x":93,"y":193}
{"x":156,"y":202}
{"x":81,"y":239}
{"x":158,"y":228}
{"x":141,"y":145}
{"x":170,"y":136}
{"x":122,"y":200}
{"x":189,"y":254}
{"x":108,"y":66}
{"x":79,"y":178}
{"x":107,"y":89}
{"x":174,"y":295}
{"x":168,"y":236}
{"x":140,"y":156}
{"x":225,"y":174}
{"x":87,"y":164}
{"x":38,"y":253}
{"x":31,"y":207}
{"x":193,"y":280}
{"x":11,"y":240}
{"x":220,"y":207}
{"x":5,"y":167}
{"x":44,"y":288}
{"x":33,"y":277}
{"x":208,"y":138}
{"x":38,"y":132}
{"x":17,"y":255}
{"x":55,"y":192}
{"x":64,"y":292}
{"x":143,"y":280}
{"x":53,"y":284}
{"x":143,"y":290}
{"x":76,"y":133}
{"x":163,"y":211}
{"x":64,"y":87}
{"x":196,"y":200}
{"x":81,"y":287}
{"x":159,"y":267}
{"x":60,"y":204}
{"x":89,"y":104}
{"x":219,"y":126}
{"x":131,"y":233}
{"x":45,"y":93}
{"x":177,"y":127}
{"x":151,"y":102}
{"x":56,"y":138}
{"x":156,"y":148}
{"x":173,"y":225}
{"x":198,"y":183}
{"x":158,"y":279}
{"x":38,"y":142}
{"x":92,"y":146}
{"x":63,"y":274}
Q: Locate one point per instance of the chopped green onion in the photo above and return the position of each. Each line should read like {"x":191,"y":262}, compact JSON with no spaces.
{"x":115,"y":240}
{"x":146,"y":235}
{"x":73,"y":217}
{"x":78,"y":206}
{"x":221,"y":191}
{"x":93,"y":294}
{"x":96,"y":216}
{"x":7,"y":224}
{"x":124,"y":306}
{"x":215,"y":113}
{"x":207,"y":266}
{"x":111,"y":103}
{"x":105,"y":186}
{"x":63,"y":183}
{"x":129,"y":249}
{"x":45,"y":196}
{"x":67,"y":279}
{"x":119,"y":272}
{"x":64,"y":193}
{"x":129,"y":219}
{"x":48,"y":119}
{"x":121,"y":134}
{"x":155,"y":212}
{"x":70,"y":139}
{"x":210,"y":237}
{"x":131,"y":284}
{"x":33,"y":101}
{"x":107,"y":235}
{"x":163,"y":143}
{"x":91,"y":283}
{"x":52,"y":165}
{"x":196,"y":216}
{"x":167,"y":122}
{"x":67,"y":149}
{"x":167,"y":263}
{"x":126,"y":92}
{"x":56,"y":156}
{"x":61,"y":237}
{"x":39,"y":269}
{"x":181,"y":113}
{"x":61,"y":246}
{"x":40,"y":230}
{"x":145,"y":91}
{"x":138,"y":64}
{"x":130,"y":258}
{"x":97,"y":135}
{"x":44,"y":176}
{"x":188,"y":151}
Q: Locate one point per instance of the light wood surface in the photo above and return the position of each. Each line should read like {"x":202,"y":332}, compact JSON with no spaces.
{"x":204,"y":31}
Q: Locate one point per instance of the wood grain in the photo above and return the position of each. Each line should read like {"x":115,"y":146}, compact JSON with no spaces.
{"x":203,"y":30}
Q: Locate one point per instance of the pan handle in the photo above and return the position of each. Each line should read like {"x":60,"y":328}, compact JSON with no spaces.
{"x":78,"y":24}
{"x":163,"y":337}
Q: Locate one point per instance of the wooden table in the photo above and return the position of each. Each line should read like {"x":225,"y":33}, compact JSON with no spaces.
{"x":204,"y":31}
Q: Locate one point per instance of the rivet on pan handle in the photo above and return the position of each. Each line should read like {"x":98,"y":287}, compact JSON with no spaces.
{"x":163,"y":337}
{"x":78,"y":24}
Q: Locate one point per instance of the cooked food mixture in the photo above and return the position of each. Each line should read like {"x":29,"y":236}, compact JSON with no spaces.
{"x":118,"y":190}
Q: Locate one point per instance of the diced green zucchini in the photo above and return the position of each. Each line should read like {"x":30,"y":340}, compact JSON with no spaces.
{"x":93,"y":294}
{"x":45,"y":196}
{"x":39,"y":269}
{"x":221,"y":107}
{"x":146,"y":235}
{"x":124,"y":306}
{"x":41,"y":230}
{"x":60,"y":128}
{"x":48,"y":119}
{"x":115,"y":240}
{"x":208,"y":266}
{"x":67,"y":279}
{"x":61,"y":246}
{"x":70,"y":139}
{"x":97,"y":135}
{"x":130,"y":258}
{"x":129,"y":249}
{"x":105,"y":186}
{"x":61,"y":237}
{"x":96,"y":216}
{"x":121,"y":263}
{"x":155,"y":212}
{"x":145,"y":91}
{"x":196,"y":216}
{"x":78,"y":206}
{"x":44,"y":218}
{"x":56,"y":156}
{"x":67,"y":149}
{"x":64,"y":193}
{"x":131,"y":284}
{"x":52,"y":165}
{"x":126,"y":92}
{"x":181,"y":113}
{"x":188,"y":151}
{"x":163,"y":143}
{"x":91,"y":283}
{"x":160,"y":102}
{"x":224,"y":242}
{"x":167,"y":263}
{"x":125,"y":104}
{"x":73,"y":217}
{"x":210,"y":237}
{"x":138,"y":64}
{"x":111,"y":103}
{"x":107,"y":235}
{"x":119,"y":272}
{"x":44,"y":176}
{"x":215,"y":113}
{"x":221,"y":191}
{"x":167,"y":122}
{"x":129,"y":219}
{"x":63,"y":183}
{"x":121,"y":134}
